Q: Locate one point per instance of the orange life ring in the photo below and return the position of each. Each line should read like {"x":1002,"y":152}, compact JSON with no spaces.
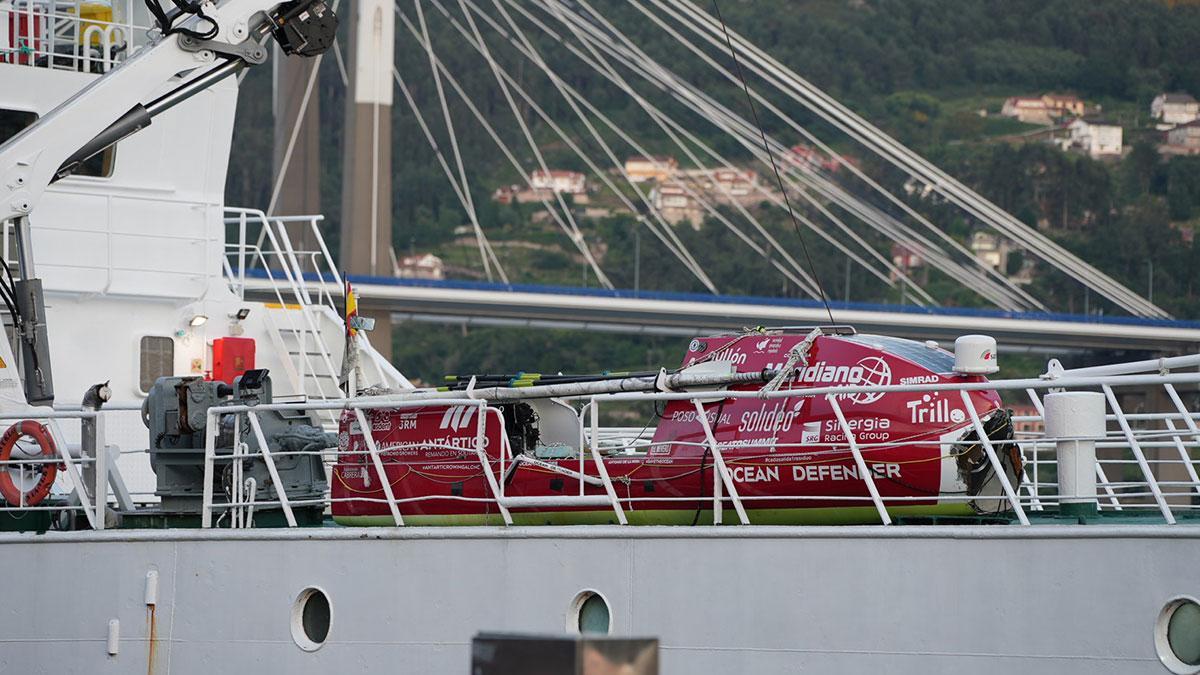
{"x":8,"y":489}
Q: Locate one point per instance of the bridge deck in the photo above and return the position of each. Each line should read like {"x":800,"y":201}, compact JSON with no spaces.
{"x":692,"y":313}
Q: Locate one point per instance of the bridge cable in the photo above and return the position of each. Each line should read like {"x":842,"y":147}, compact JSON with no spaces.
{"x":571,"y":227}
{"x":483,"y":123}
{"x":581,"y":29}
{"x":604,"y":44}
{"x":525,"y":48}
{"x":465,"y":194}
{"x":1005,"y":286}
{"x":1009,"y":288}
{"x":437,"y":151}
{"x":774,"y":167}
{"x":806,"y":283}
{"x":674,"y":131}
{"x":630,"y":56}
{"x":670,"y":240}
{"x":859,"y":129}
{"x":668,"y":81}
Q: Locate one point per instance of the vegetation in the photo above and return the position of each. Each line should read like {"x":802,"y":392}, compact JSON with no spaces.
{"x":429,"y":352}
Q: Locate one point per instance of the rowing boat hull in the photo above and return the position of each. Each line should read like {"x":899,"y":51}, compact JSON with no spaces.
{"x":786,"y":456}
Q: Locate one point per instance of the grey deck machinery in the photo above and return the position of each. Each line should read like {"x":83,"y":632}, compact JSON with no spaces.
{"x":176,"y":413}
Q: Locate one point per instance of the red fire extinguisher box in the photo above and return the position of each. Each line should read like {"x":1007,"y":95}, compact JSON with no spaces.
{"x":232,"y":356}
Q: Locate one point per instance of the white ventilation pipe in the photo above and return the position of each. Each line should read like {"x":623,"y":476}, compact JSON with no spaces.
{"x":1076,"y":421}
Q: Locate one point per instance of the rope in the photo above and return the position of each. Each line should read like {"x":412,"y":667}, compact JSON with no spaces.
{"x":796,"y":355}
{"x":775,"y":167}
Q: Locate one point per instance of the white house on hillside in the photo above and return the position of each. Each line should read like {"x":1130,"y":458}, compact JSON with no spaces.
{"x":1028,"y":109}
{"x":1044,"y":109}
{"x":1172,"y":109}
{"x":676,"y":204}
{"x":1062,"y":105}
{"x":1095,"y":137}
{"x":420,"y":266}
{"x":991,"y":249}
{"x":563,"y":182}
{"x":735,"y":182}
{"x":642,"y":169}
{"x":1183,"y":140}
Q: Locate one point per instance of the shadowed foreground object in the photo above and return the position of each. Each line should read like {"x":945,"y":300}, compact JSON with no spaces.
{"x":505,"y":654}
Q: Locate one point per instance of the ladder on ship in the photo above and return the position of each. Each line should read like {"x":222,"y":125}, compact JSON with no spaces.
{"x":303,"y":314}
{"x":310,"y":366}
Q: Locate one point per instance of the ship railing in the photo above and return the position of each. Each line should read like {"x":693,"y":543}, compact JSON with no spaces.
{"x":1127,"y":433}
{"x":312,"y":270}
{"x":1166,"y":441}
{"x":62,"y":35}
{"x":1145,"y":461}
{"x":1135,"y":449}
{"x":242,"y":503}
{"x":88,"y":475}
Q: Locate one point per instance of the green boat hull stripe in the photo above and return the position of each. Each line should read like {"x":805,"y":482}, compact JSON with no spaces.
{"x":855,"y":515}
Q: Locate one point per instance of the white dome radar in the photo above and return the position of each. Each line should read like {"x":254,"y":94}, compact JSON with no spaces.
{"x":975,"y":355}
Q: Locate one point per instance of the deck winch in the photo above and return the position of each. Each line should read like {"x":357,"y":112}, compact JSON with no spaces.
{"x":176,"y":413}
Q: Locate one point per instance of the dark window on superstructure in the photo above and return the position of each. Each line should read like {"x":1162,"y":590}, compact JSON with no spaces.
{"x":13,"y":122}
{"x":157,"y":359}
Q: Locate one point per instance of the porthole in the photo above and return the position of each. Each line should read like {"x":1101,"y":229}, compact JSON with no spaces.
{"x":589,"y":614}
{"x":311,"y":618}
{"x":1177,"y":636}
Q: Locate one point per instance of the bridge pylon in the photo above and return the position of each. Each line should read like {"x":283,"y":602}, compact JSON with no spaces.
{"x":366,"y":234}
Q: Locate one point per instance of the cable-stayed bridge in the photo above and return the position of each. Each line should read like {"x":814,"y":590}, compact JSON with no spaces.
{"x":759,"y":107}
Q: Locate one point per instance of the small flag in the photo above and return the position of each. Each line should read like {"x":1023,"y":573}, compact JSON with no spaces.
{"x":354,"y":322}
{"x":351,"y":311}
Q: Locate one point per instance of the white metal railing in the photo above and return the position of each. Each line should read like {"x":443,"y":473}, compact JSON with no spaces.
{"x":1146,"y":461}
{"x":272,"y":254}
{"x":1125,"y":445}
{"x":89,"y":499}
{"x":59,"y":34}
{"x":240,"y":503}
{"x":1128,"y":475}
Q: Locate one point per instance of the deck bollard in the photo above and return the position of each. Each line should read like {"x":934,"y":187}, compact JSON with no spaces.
{"x":1076,"y":419}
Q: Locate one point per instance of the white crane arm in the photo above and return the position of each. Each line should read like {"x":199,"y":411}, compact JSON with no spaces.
{"x":196,"y":45}
{"x":32,"y":160}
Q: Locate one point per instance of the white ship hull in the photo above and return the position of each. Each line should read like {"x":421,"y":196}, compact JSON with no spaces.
{"x":1050,"y":599}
